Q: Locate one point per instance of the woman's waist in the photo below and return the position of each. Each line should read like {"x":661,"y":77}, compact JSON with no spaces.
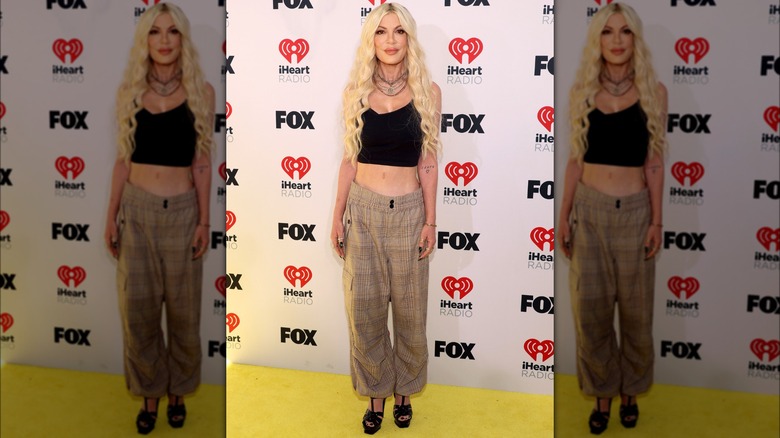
{"x":613,"y":180}
{"x":387,"y":180}
{"x":161,"y":180}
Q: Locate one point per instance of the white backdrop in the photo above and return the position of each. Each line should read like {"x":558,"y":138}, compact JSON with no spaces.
{"x":291,"y":60}
{"x":62,"y":62}
{"x":717,"y":281}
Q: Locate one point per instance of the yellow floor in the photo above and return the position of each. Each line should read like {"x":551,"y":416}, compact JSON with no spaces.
{"x":270,"y":402}
{"x":673,"y":411}
{"x":47,"y":402}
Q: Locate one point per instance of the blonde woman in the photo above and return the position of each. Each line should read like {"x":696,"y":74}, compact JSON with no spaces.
{"x":158,"y":214}
{"x":384,"y":220}
{"x":610,"y":216}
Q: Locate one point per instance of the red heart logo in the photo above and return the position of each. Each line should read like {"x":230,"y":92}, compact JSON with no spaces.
{"x":290,"y":165}
{"x":460,"y":47}
{"x":220,"y":284}
{"x":760,"y":347}
{"x":533,"y":347}
{"x":5,"y":218}
{"x":462,"y":286}
{"x":75,"y":275}
{"x":693,"y":172}
{"x":228,"y":110}
{"x":302,"y":275}
{"x":766,"y":236}
{"x":546,"y":116}
{"x":454,"y":171}
{"x":679,"y":286}
{"x":232,"y":321}
{"x":63,"y":48}
{"x":73,"y":165}
{"x":230,"y":220}
{"x":222,"y":171}
{"x":541,"y":235}
{"x":288,"y":48}
{"x":6,"y":321}
{"x":698,"y":47}
{"x":771,"y":117}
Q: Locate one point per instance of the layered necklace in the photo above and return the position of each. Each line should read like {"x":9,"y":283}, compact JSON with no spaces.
{"x":388,"y":87}
{"x":617,"y":87}
{"x":164,"y":87}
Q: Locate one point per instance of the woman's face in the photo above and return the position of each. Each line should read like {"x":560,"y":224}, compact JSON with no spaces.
{"x":617,"y":40}
{"x":390,"y":40}
{"x":164,"y":40}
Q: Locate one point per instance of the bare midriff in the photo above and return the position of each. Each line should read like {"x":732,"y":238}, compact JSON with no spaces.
{"x":387,"y":180}
{"x":161,"y":180}
{"x":613,"y":180}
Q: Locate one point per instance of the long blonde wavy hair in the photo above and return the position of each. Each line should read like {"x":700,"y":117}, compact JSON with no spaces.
{"x":583,"y":93}
{"x":360,"y":83}
{"x":134,"y":85}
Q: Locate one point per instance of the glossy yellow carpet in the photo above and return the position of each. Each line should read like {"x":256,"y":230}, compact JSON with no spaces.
{"x":271,"y":402}
{"x":673,"y":411}
{"x":48,"y":402}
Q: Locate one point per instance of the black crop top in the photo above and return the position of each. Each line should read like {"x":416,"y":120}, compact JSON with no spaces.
{"x":165,"y":139}
{"x":618,"y":139}
{"x":391,"y":139}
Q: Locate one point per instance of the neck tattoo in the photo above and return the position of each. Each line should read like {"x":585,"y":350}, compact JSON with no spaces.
{"x":164,"y":87}
{"x":390,"y":87}
{"x":616,"y":87}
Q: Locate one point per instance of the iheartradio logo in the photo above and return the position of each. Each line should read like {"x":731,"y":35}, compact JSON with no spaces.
{"x":771,"y":116}
{"x":221,"y":284}
{"x":374,"y":2}
{"x":228,"y":110}
{"x":230,"y":220}
{"x":62,"y":48}
{"x":766,"y":236}
{"x":290,"y":165}
{"x":302,"y":275}
{"x":534,"y":347}
{"x":683,"y":286}
{"x":546,"y":117}
{"x":2,"y":110}
{"x":232,"y":321}
{"x":758,"y":346}
{"x":6,"y":320}
{"x":69,"y":275}
{"x":460,"y":47}
{"x":462,"y":286}
{"x":693,"y":171}
{"x":146,"y":2}
{"x":698,"y":47}
{"x":5,"y":218}
{"x":299,"y":48}
{"x":540,"y":236}
{"x":222,"y":170}
{"x":73,"y":165}
{"x":598,"y":2}
{"x":455,"y":171}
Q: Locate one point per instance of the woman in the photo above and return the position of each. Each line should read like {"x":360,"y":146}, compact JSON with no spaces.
{"x":610,"y":217}
{"x":384,"y":220}
{"x":158,"y":213}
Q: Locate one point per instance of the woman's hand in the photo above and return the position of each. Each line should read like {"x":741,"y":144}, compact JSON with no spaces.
{"x":652,"y":241}
{"x":563,"y":235}
{"x":427,"y":241}
{"x":337,"y":237}
{"x":200,"y":241}
{"x":111,"y":237}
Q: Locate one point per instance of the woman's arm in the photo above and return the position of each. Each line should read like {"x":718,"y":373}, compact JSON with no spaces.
{"x":201,"y":178}
{"x":118,"y":180}
{"x":654,"y":175}
{"x":347,"y":173}
{"x":428,"y":173}
{"x":570,"y":180}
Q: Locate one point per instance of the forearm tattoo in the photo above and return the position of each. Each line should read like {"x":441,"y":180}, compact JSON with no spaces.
{"x":428,"y":168}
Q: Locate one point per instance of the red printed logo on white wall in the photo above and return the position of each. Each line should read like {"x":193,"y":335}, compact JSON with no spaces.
{"x":457,"y":286}
{"x":456,"y":171}
{"x":299,"y":48}
{"x":683,"y":288}
{"x":541,"y":235}
{"x":65,"y":165}
{"x":698,"y":47}
{"x":546,"y":116}
{"x":459,"y":48}
{"x":300,"y":165}
{"x":765,"y":349}
{"x":230,"y":220}
{"x":767,"y":236}
{"x":300,"y":275}
{"x":682,"y":171}
{"x":74,"y":275}
{"x":232,"y":321}
{"x":771,"y":117}
{"x":67,"y":48}
{"x":535,"y":347}
{"x":6,"y":321}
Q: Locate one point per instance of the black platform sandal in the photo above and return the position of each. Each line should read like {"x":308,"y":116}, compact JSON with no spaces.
{"x":629,"y":413}
{"x":599,"y":419}
{"x":372,"y":420}
{"x":145,"y":420}
{"x":176,"y":412}
{"x":403,"y":410}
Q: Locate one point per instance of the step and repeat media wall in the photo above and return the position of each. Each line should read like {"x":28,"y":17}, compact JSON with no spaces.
{"x":61,"y":63}
{"x":490,"y":309}
{"x":717,"y":279}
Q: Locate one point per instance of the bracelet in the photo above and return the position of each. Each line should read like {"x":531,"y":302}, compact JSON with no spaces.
{"x":204,"y":225}
{"x":430,"y":225}
{"x":657,"y":225}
